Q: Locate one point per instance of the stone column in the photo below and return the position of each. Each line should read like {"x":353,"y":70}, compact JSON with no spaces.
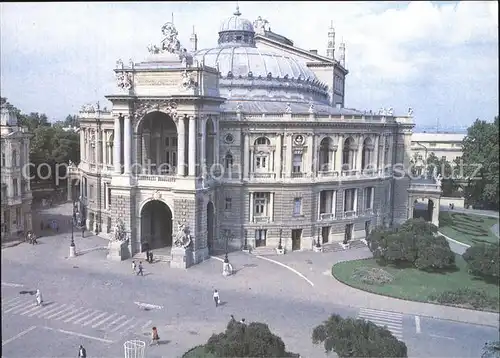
{"x":158,"y":143}
{"x":382,"y":160}
{"x":309,"y":155}
{"x":203,"y":153}
{"x":117,"y":145}
{"x":319,"y":205}
{"x":246,"y":155}
{"x":251,"y":162}
{"x":359,"y":154}
{"x":375,"y":152}
{"x":391,"y":146}
{"x":278,"y":162}
{"x":271,"y":207}
{"x":289,"y":153}
{"x":271,"y":161}
{"x":251,"y":207}
{"x":98,"y":147}
{"x":70,"y":189}
{"x":338,"y":153}
{"x":82,"y":145}
{"x":181,"y":146}
{"x":192,"y":146}
{"x":216,"y":141}
{"x":127,"y":145}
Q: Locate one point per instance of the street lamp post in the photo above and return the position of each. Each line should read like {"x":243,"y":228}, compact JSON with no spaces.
{"x":98,"y":164}
{"x":227,"y":269}
{"x":245,"y":245}
{"x":226,"y":258}
{"x":280,"y":247}
{"x":72,"y":247}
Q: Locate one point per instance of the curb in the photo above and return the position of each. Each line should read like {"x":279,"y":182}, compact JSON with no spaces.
{"x":424,"y":302}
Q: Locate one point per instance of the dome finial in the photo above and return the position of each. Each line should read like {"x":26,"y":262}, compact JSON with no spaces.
{"x":237,"y":12}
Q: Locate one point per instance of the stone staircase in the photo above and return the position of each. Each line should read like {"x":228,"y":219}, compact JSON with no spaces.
{"x":264,"y":251}
{"x":141,"y":256}
{"x":335,"y":246}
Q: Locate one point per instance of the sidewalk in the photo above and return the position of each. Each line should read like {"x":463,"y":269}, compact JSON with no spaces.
{"x":317,"y":267}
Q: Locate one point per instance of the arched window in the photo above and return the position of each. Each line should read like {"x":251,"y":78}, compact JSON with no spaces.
{"x":262,"y":141}
{"x":366,"y":155}
{"x":325,"y":155}
{"x":228,"y":161}
{"x":14,"y":158}
{"x":348,"y":154}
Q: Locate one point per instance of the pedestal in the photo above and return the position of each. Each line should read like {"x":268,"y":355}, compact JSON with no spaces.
{"x":317,"y":249}
{"x":280,"y":251}
{"x":227,"y":269}
{"x":118,"y":250}
{"x":181,"y":258}
{"x":72,"y":251}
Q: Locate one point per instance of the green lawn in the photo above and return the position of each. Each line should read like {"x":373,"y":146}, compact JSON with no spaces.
{"x":468,"y":229}
{"x":413,"y":284}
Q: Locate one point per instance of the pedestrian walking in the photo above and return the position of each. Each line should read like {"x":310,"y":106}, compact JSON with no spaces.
{"x":155,"y":338}
{"x":82,"y":353}
{"x":216,"y":298}
{"x":140,"y":269}
{"x":134,"y":266}
{"x":39,"y":299}
{"x":150,"y":257}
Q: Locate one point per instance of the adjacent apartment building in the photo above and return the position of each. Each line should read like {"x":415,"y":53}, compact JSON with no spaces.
{"x":16,"y":190}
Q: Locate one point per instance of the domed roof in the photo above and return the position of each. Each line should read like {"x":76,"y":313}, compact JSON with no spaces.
{"x":236,"y":23}
{"x":242,"y":61}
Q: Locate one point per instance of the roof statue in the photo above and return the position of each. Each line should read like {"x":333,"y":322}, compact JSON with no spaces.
{"x":170,"y":43}
{"x":410,"y":111}
{"x":261,"y":25}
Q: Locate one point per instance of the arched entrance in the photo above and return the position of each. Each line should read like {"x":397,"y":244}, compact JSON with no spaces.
{"x":426,"y":209}
{"x":210,"y":227}
{"x":156,"y":225}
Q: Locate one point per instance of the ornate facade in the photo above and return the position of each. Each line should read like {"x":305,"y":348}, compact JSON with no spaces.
{"x":246,"y":141}
{"x":16,"y":190}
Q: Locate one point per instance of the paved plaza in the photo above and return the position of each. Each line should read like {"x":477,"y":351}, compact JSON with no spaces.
{"x":100,"y":304}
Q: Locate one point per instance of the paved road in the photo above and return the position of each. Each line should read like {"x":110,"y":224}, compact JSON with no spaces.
{"x":90,"y":301}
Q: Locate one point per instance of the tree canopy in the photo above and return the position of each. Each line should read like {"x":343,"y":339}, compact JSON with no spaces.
{"x":49,"y":144}
{"x":480,"y":151}
{"x":350,"y":337}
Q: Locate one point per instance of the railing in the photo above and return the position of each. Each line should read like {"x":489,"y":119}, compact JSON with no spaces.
{"x":257,"y":175}
{"x":156,"y":178}
{"x":347,"y":215}
{"x":351,"y":172}
{"x":328,"y":173}
{"x":298,"y":175}
{"x":327,"y":216}
{"x":261,"y":219}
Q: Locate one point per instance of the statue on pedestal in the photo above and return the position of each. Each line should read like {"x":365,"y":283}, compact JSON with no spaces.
{"x":119,"y":233}
{"x":183,"y":237}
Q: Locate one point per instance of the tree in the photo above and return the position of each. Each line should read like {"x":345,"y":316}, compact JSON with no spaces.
{"x":242,"y":340}
{"x":480,"y":150}
{"x":70,"y":121}
{"x":483,"y":260}
{"x":415,"y":242}
{"x":357,"y":338}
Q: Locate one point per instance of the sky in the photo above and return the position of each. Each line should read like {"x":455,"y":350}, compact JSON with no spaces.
{"x":440,"y":58}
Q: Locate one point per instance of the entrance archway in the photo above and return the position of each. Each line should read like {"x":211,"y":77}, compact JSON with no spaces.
{"x":426,"y":209}
{"x":210,"y":227}
{"x":156,"y":225}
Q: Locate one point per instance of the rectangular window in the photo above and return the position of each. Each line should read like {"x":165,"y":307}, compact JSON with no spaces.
{"x":109,"y":197}
{"x":3,"y":160}
{"x":4,"y":192}
{"x":260,"y":203}
{"x":260,"y":162}
{"x":14,"y":187}
{"x":228,"y":204}
{"x":349,"y":197}
{"x":14,"y":158}
{"x":368,"y":198}
{"x":167,"y":141}
{"x":297,"y":206}
{"x":297,"y":163}
{"x":174,"y":141}
{"x":91,"y":192}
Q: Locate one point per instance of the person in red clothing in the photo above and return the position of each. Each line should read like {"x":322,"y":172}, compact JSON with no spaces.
{"x":155,"y":338}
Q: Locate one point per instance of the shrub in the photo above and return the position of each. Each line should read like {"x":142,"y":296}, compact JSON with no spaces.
{"x":468,"y":298}
{"x":372,"y":276}
{"x":357,"y":338}
{"x":247,"y":340}
{"x":415,"y":242}
{"x":483,"y":260}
